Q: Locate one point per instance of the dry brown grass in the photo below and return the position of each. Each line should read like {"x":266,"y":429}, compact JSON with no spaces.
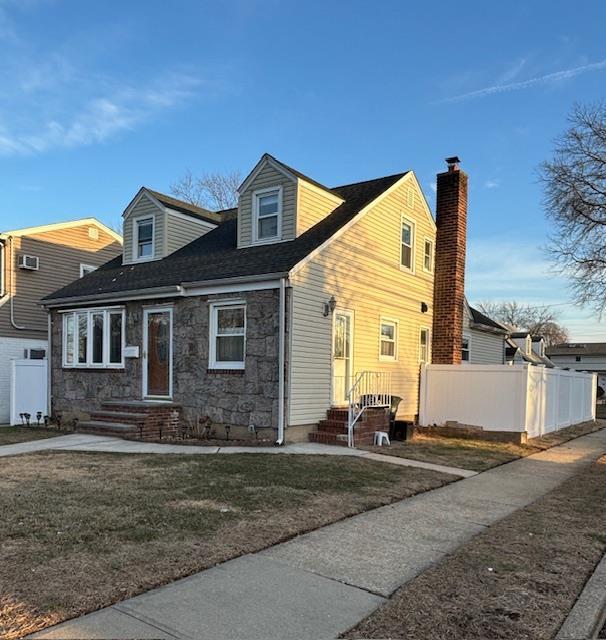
{"x":13,"y":435}
{"x":479,"y":455}
{"x":81,"y":531}
{"x":518,"y":579}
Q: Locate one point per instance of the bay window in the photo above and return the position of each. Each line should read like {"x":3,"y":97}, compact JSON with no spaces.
{"x":93,"y":338}
{"x":227,"y":349}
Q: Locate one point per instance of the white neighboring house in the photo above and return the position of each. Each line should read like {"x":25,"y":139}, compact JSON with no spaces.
{"x":483,"y":338}
{"x":522,"y":346}
{"x":581,"y":356}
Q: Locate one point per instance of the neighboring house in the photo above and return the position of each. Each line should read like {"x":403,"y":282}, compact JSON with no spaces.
{"x":33,"y":262}
{"x":483,"y":338}
{"x":581,"y":356}
{"x":264,"y":315}
{"x":522,"y":346}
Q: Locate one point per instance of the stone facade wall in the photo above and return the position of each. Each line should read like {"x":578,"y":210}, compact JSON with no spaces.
{"x":238,"y":398}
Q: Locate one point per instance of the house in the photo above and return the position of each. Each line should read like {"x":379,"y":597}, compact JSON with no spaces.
{"x":483,"y":338}
{"x":33,"y":262}
{"x":522,"y":346}
{"x":263,"y":317}
{"x":581,"y":356}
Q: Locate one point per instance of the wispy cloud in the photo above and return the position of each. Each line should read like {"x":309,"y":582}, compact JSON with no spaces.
{"x":504,"y":87}
{"x":492,"y":184}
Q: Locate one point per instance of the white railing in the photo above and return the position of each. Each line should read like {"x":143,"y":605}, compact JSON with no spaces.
{"x":370,"y":389}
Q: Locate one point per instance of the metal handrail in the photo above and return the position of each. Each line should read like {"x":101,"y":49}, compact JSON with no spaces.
{"x":369,"y":389}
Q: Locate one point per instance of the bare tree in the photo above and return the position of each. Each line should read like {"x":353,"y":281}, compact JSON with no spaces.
{"x":540,"y":320}
{"x":574,"y":183}
{"x":214,"y":191}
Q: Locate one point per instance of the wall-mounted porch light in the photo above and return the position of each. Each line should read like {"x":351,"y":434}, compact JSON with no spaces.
{"x":330,"y":306}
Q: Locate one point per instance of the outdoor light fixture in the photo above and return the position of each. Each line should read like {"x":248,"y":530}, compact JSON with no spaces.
{"x":424,"y":307}
{"x":330,"y":306}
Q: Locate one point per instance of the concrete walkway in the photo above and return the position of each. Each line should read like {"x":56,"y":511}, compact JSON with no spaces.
{"x":321,"y":583}
{"x":84,"y":442}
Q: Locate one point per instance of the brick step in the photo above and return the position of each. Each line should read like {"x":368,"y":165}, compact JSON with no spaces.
{"x":328,"y":438}
{"x":117,"y":416}
{"x":337,"y":414}
{"x":325,"y":426}
{"x":98,"y":426}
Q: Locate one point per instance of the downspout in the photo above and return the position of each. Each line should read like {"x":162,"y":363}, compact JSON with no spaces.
{"x":281,"y":361}
{"x":12,"y":285}
{"x":49,"y":351}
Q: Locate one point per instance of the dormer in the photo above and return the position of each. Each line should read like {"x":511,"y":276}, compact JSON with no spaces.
{"x":156,"y":225}
{"x":277,"y":204}
{"x":538,"y":346}
{"x":523,"y":341}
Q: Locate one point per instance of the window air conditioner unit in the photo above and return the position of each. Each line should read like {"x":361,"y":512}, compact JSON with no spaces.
{"x":29,"y":262}
{"x":34,"y":354}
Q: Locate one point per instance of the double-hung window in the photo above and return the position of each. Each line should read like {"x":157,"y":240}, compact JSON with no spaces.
{"x":424,"y":344}
{"x":227,"y":335}
{"x":267,"y":215}
{"x":388,"y":340}
{"x":144,"y":238}
{"x":93,"y":338}
{"x":465,"y":348}
{"x":407,"y":245}
{"x":428,"y":255}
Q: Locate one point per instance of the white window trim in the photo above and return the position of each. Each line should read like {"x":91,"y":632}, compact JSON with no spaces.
{"x":413,"y":231}
{"x":466,"y":336}
{"x":255,"y":215}
{"x":396,"y":324}
{"x":83,"y":266}
{"x":135,"y":252}
{"x":212,"y":335}
{"x":106,"y":311}
{"x":427,"y":346}
{"x":427,"y":239}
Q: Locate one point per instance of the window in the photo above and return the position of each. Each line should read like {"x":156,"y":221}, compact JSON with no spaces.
{"x":428,"y":256}
{"x":407,"y":243}
{"x":144,"y":238}
{"x":227,"y":335}
{"x":388,"y":339}
{"x":267,"y":214}
{"x":578,"y":359}
{"x":2,"y":292}
{"x":86,"y":268}
{"x":93,"y":338}
{"x":424,"y":345}
{"x":465,"y":349}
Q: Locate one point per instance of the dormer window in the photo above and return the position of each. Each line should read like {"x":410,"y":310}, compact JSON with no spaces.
{"x":267,"y":215}
{"x":144,"y":238}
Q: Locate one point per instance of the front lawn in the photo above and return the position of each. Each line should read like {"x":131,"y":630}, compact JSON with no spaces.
{"x":81,"y":531}
{"x":517,"y":579}
{"x":479,"y":455}
{"x":13,"y":435}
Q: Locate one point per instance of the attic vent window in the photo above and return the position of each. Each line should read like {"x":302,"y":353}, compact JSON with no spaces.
{"x":267,"y":214}
{"x":144,"y":238}
{"x":93,"y":233}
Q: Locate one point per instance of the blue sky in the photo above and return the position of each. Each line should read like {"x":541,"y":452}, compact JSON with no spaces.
{"x":100,"y":98}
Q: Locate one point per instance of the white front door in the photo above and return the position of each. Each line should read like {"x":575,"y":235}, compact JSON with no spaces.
{"x":342,"y":365}
{"x":157,"y":353}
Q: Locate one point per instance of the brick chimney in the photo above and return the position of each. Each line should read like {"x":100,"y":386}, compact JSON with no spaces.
{"x":449,"y":279}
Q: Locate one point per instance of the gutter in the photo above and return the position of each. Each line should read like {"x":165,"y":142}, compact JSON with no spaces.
{"x":258,"y":277}
{"x":133,"y":294}
{"x":281,"y":361}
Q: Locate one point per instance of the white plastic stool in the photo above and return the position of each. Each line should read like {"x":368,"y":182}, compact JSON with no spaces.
{"x":381,"y":437}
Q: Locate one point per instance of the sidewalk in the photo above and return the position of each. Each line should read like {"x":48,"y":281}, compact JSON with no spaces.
{"x":84,"y":442}
{"x":320,"y":584}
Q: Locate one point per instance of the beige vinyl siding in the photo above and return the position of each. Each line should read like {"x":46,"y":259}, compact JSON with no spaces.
{"x":60,"y":254}
{"x":145,"y":207}
{"x":313,"y":206}
{"x":266,"y":178}
{"x":181,"y":231}
{"x":361,"y":269}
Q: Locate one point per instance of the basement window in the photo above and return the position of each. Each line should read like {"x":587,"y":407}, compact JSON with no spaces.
{"x":93,"y":338}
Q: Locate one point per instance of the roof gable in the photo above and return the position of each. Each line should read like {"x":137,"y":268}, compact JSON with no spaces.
{"x":57,"y":226}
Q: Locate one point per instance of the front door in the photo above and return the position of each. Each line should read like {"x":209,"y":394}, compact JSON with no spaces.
{"x":342,"y":344}
{"x":157,"y":353}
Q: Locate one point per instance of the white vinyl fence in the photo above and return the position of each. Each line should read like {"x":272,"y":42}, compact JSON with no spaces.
{"x":506,"y":398}
{"x":28,"y":389}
